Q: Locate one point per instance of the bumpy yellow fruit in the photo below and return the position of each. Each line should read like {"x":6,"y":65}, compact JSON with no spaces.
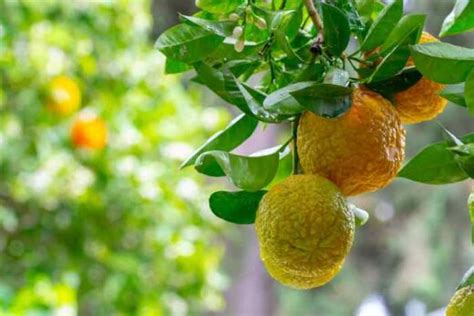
{"x":462,"y":303}
{"x":305,"y":230}
{"x":421,"y":102}
{"x":64,"y":95}
{"x":360,"y":151}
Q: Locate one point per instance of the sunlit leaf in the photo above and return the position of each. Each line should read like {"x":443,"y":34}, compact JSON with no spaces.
{"x":460,"y":20}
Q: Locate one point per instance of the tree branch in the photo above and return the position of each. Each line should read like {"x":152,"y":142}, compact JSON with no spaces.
{"x":314,"y":15}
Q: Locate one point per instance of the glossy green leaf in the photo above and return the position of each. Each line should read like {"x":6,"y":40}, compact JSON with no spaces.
{"x":350,"y":10}
{"x":460,"y":20}
{"x":469,"y":92}
{"x":326,"y":100}
{"x":250,"y":173}
{"x":389,"y":87}
{"x":443,"y":62}
{"x":174,"y":66}
{"x":236,"y":207}
{"x":282,"y":102}
{"x":455,"y":94}
{"x":386,"y":20}
{"x":219,"y":6}
{"x":435,"y":164}
{"x":221,"y":28}
{"x":337,"y":31}
{"x":465,"y":157}
{"x":187,"y":43}
{"x":227,"y":139}
{"x":396,"y":48}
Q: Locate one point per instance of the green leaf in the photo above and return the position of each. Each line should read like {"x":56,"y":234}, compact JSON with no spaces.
{"x":336,"y":28}
{"x":435,"y":164}
{"x":469,"y":92}
{"x":174,"y":66}
{"x":465,"y":157}
{"x":236,"y":207}
{"x":187,"y":43}
{"x":442,"y":62}
{"x":219,"y":6}
{"x":221,"y":28}
{"x":326,"y":100}
{"x":350,"y":10}
{"x":284,"y":43}
{"x":250,"y":173}
{"x":227,"y":139}
{"x":386,"y":20}
{"x":455,"y":94}
{"x":282,"y":102}
{"x":460,"y":20}
{"x":396,"y":47}
{"x":337,"y":77}
{"x":467,"y":279}
{"x":401,"y":82}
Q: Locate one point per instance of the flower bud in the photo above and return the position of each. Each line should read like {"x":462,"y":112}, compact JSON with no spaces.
{"x":239,"y":45}
{"x":234,"y":17}
{"x":260,"y":23}
{"x":237,"y":32}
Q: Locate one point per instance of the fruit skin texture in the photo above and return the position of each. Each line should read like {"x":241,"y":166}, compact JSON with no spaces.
{"x":360,"y":151}
{"x":89,"y":131}
{"x":305,"y":230}
{"x":462,"y":303}
{"x":64,"y":95}
{"x":420,"y":102}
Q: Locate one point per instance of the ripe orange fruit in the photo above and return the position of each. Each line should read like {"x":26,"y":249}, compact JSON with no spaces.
{"x":421,"y":102}
{"x":305,"y":231}
{"x":89,"y":131}
{"x":360,"y":151}
{"x":64,"y":95}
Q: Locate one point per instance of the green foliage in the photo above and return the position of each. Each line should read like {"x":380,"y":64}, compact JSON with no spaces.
{"x":274,"y":60}
{"x":236,"y":207}
{"x":460,"y":20}
{"x":111,"y":232}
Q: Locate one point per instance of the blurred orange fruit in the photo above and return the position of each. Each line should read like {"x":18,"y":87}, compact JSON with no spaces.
{"x":89,"y":131}
{"x":64,"y":95}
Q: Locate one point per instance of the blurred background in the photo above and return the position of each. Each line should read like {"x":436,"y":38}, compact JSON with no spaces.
{"x":119,"y":230}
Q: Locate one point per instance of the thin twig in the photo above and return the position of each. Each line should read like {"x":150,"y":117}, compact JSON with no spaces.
{"x":313,"y":13}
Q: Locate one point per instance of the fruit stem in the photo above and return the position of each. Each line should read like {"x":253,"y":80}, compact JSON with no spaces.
{"x":314,"y":15}
{"x":294,"y":130}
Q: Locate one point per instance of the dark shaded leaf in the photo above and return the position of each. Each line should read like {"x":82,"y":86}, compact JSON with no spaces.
{"x":401,"y":82}
{"x":236,"y":207}
{"x":336,"y":28}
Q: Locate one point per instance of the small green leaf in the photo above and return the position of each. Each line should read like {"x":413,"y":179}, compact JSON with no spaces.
{"x":187,"y":43}
{"x":219,"y":6}
{"x":455,"y":94}
{"x":175,"y":66}
{"x":464,"y":155}
{"x":227,"y":139}
{"x":236,"y":207}
{"x":386,"y":20}
{"x":442,"y":62}
{"x":467,"y":279}
{"x":284,"y":43}
{"x":361,"y":216}
{"x":460,"y":20}
{"x":469,"y":92}
{"x":435,"y":164}
{"x":282,"y":102}
{"x":401,"y":82}
{"x":250,"y":173}
{"x":336,"y":28}
{"x":326,"y":100}
{"x":350,"y":10}
{"x":407,"y":31}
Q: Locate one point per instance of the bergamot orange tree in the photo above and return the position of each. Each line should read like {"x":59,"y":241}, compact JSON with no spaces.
{"x":347,"y":75}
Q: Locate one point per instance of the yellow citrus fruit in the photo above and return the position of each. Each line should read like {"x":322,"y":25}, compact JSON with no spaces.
{"x":421,"y":102}
{"x":89,"y":131}
{"x":64,"y":95}
{"x":305,"y":230}
{"x":462,"y":303}
{"x":360,"y":151}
